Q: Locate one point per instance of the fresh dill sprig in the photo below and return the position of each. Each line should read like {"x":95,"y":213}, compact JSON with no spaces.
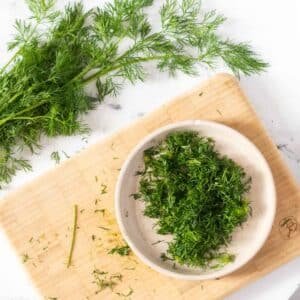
{"x":196,"y":195}
{"x":57,"y":53}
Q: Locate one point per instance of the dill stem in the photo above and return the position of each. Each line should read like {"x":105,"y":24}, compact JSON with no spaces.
{"x":10,"y":61}
{"x":118,"y":66}
{"x":75,"y":214}
{"x":13,"y":116}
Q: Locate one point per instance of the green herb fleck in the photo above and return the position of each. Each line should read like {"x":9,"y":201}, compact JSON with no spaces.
{"x":55,"y":156}
{"x":102,"y":227}
{"x":121,"y":250}
{"x":125,"y":295}
{"x":118,"y":276}
{"x":100,"y":210}
{"x":157,"y":242}
{"x":103,"y":189}
{"x":164,"y":257}
{"x":25,"y":258}
{"x":102,"y":281}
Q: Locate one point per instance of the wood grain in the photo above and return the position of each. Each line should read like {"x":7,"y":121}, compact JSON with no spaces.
{"x":38,"y":217}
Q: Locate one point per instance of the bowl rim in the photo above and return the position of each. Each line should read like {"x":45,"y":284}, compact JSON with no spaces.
{"x":168,"y":128}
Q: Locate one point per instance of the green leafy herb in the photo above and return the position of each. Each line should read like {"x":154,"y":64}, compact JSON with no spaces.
{"x":196,"y":195}
{"x":75,"y":209}
{"x":102,"y":281}
{"x":55,"y":156}
{"x":102,"y":227}
{"x":118,"y":276}
{"x":121,"y":250}
{"x":57,"y":53}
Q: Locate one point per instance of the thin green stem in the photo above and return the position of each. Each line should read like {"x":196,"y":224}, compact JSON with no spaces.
{"x":118,"y":66}
{"x":74,"y":230}
{"x":11,"y":117}
{"x":10,"y":61}
{"x":18,"y":52}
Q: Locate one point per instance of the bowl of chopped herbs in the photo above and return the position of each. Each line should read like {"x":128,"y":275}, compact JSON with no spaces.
{"x":195,"y":200}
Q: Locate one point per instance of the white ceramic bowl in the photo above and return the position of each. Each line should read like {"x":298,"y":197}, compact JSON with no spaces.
{"x":138,"y":230}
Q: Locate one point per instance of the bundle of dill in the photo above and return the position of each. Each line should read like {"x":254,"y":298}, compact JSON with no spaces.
{"x":196,"y":195}
{"x":58,"y":52}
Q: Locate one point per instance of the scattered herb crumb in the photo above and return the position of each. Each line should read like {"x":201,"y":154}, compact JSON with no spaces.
{"x":102,"y":281}
{"x":96,"y":178}
{"x":25,"y":258}
{"x":93,"y":237}
{"x":75,"y":215}
{"x":129,"y":293}
{"x":130,"y":269}
{"x":126,"y":214}
{"x":82,"y":210}
{"x":157,"y":242}
{"x":30,"y":240}
{"x":100,"y":211}
{"x":96,"y":201}
{"x":164,"y":257}
{"x":55,"y":157}
{"x":115,"y":157}
{"x":65,"y":154}
{"x":121,"y":250}
{"x":118,"y":276}
{"x":201,"y":94}
{"x":103,"y":189}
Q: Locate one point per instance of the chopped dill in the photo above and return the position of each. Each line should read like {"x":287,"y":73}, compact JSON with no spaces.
{"x":118,"y":276}
{"x":100,"y":211}
{"x":25,"y":257}
{"x":55,"y":157}
{"x":125,"y":295}
{"x":197,"y":195}
{"x":102,"y":227}
{"x":157,"y":242}
{"x":103,"y":189}
{"x":121,"y":250}
{"x":103,"y":281}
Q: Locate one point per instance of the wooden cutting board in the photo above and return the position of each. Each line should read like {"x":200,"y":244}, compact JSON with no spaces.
{"x":38,"y":217}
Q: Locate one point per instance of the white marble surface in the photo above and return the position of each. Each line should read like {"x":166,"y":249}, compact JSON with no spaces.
{"x":273,"y":29}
